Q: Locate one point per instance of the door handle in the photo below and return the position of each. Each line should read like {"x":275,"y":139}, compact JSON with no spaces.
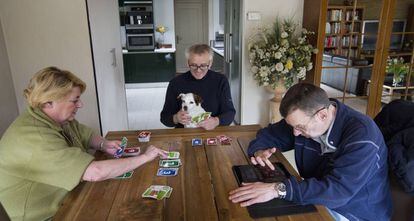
{"x":113,"y":57}
{"x":177,"y":39}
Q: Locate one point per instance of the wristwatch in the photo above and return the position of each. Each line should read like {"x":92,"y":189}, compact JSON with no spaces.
{"x":281,"y":190}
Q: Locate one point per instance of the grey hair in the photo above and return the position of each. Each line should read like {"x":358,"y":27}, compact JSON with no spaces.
{"x":199,"y":49}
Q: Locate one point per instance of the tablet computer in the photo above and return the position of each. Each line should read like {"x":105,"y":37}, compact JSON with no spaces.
{"x":275,"y":207}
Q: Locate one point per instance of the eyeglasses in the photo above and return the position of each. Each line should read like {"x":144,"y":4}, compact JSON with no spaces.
{"x":202,"y":67}
{"x":303,"y":127}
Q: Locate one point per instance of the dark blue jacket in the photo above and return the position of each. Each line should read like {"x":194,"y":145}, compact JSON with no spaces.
{"x":213,"y":88}
{"x":353,"y":180}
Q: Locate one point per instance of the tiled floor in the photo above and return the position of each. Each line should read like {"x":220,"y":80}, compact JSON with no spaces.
{"x":144,"y":106}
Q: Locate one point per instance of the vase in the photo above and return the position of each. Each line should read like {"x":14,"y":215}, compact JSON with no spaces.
{"x":278,"y":91}
{"x":274,"y":103}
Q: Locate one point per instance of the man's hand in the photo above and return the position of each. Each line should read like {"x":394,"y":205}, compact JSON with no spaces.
{"x":111,"y":146}
{"x":152,"y":152}
{"x":251,"y":193}
{"x":262,"y":157}
{"x":182,"y":117}
{"x":209,"y":123}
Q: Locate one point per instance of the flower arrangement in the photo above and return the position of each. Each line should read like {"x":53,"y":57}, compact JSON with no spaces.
{"x":281,"y":55}
{"x":161,"y":29}
{"x":398,"y":67}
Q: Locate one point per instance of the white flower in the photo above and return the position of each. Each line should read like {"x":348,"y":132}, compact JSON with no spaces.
{"x":285,"y":71}
{"x":284,"y":34}
{"x":310,"y":66}
{"x":254,"y":69}
{"x":315,"y":50}
{"x":265,"y":83}
{"x":302,"y":73}
{"x":282,"y":50}
{"x":278,"y":55}
{"x":279,"y":67}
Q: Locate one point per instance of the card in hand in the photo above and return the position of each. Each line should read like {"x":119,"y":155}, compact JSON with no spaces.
{"x":167,"y":171}
{"x":123,"y":145}
{"x":170,"y":163}
{"x":125,"y":175}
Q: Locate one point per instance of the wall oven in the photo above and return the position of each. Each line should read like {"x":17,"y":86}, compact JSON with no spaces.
{"x":140,"y":38}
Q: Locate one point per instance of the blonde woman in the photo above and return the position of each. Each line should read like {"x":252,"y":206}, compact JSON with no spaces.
{"x":43,"y":153}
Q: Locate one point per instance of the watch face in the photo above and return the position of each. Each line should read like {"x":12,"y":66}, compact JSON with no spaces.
{"x":281,"y":187}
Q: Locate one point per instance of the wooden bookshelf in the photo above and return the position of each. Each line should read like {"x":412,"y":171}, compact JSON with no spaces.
{"x":343,"y":31}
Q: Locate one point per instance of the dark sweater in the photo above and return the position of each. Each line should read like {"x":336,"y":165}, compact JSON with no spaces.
{"x":213,"y":88}
{"x":353,"y":180}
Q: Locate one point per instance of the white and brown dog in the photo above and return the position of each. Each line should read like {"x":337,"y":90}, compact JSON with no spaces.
{"x":192,"y":104}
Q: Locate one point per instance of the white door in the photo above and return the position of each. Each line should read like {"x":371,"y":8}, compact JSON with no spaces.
{"x":109,"y":70}
{"x":191,"y":27}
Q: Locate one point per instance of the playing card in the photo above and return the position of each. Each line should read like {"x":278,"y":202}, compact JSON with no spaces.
{"x":144,"y":136}
{"x":211,"y":141}
{"x":196,"y":142}
{"x":173,"y":155}
{"x":224,"y":140}
{"x":167,"y":171}
{"x":125,"y":175}
{"x":131,"y":151}
{"x":170,"y":163}
{"x":123,"y":145}
{"x":204,"y":116}
{"x":158,"y":192}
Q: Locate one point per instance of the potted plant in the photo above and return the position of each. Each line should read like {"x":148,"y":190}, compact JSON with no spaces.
{"x":280,"y":56}
{"x":398,"y":68}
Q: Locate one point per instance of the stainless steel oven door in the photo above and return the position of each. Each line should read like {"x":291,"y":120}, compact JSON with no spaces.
{"x":140,"y":42}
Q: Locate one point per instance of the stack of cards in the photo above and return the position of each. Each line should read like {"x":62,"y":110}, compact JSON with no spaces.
{"x":211,"y":141}
{"x":157,"y":192}
{"x":169,"y":166}
{"x":224,"y":140}
{"x":144,"y":136}
{"x":123,"y":145}
{"x":198,"y":118}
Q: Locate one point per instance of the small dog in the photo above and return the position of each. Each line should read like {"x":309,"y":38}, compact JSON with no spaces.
{"x":192,"y":104}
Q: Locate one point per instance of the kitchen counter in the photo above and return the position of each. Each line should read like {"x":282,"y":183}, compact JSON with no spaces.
{"x":219,"y":51}
{"x":157,"y":50}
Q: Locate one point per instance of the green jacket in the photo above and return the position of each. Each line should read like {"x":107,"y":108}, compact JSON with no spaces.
{"x":40,"y":161}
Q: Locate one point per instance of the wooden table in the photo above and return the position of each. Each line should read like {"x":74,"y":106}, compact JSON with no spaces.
{"x":200,"y":191}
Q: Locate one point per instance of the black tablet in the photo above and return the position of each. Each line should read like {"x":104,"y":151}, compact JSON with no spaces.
{"x":275,"y":207}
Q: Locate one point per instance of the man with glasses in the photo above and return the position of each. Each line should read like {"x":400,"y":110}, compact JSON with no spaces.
{"x":211,"y":86}
{"x":339,"y":152}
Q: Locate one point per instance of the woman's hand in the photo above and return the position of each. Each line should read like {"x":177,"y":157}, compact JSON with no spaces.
{"x":152,"y":152}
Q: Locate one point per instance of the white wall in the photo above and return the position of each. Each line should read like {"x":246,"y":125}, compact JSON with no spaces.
{"x":8,"y":107}
{"x":164,"y":15}
{"x":254,"y":103}
{"x":49,"y":32}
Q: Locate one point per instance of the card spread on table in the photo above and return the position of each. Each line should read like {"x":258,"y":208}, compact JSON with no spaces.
{"x":211,"y":141}
{"x":167,"y":171}
{"x":125,"y":175}
{"x":123,"y":145}
{"x":131,"y":151}
{"x":196,"y":142}
{"x":173,"y":155}
{"x":170,"y":163}
{"x":157,"y":192}
{"x":224,"y":140}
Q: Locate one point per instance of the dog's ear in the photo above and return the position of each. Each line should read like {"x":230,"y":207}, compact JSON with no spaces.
{"x":180,"y":96}
{"x":198,"y":99}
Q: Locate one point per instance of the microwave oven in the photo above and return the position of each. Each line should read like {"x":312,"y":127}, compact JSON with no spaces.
{"x":140,"y":38}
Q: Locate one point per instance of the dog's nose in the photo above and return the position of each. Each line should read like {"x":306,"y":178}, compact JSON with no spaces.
{"x":185,"y":108}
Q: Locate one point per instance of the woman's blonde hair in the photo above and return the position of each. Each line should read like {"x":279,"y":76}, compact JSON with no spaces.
{"x":51,"y":84}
